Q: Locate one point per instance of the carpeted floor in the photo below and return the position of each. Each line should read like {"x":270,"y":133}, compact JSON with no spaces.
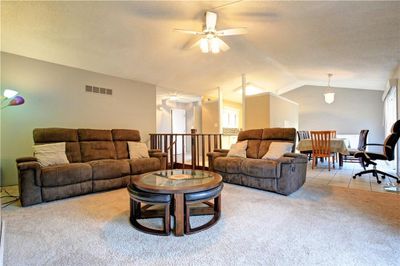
{"x":323,"y":225}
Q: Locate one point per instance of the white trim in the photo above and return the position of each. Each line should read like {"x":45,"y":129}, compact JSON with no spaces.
{"x":273,"y":94}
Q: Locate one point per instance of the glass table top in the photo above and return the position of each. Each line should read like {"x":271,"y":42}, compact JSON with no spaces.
{"x":177,"y":178}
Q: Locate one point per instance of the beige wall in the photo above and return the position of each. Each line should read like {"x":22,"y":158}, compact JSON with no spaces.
{"x":257,"y":113}
{"x":352,"y":111}
{"x":210,"y":117}
{"x":283,"y":113}
{"x":55,"y":97}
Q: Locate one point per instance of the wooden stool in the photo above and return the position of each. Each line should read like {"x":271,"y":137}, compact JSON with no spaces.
{"x":137,"y":197}
{"x":202,"y":197}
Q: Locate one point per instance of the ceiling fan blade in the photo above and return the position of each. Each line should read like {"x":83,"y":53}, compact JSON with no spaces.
{"x":189,"y":32}
{"x":211,"y":20}
{"x":222,"y":45}
{"x":230,"y":32}
{"x":192,"y":42}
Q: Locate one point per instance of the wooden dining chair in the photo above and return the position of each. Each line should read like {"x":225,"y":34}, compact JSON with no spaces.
{"x":333,"y":136}
{"x":321,"y":147}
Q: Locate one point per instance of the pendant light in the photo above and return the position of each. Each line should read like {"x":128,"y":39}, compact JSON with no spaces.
{"x":329,"y":93}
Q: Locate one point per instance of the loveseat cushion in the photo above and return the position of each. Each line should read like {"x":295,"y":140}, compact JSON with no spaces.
{"x":144,"y":165}
{"x":260,"y":168}
{"x":65,"y":174}
{"x":231,"y":165}
{"x":108,"y":169}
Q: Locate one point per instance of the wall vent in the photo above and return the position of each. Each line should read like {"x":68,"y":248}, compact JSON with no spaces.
{"x":94,"y":89}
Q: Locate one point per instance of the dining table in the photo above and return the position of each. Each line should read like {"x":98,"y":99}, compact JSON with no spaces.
{"x":338,"y":145}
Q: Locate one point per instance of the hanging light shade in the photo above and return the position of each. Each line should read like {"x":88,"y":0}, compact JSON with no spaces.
{"x":329,"y":94}
{"x":204,"y":45}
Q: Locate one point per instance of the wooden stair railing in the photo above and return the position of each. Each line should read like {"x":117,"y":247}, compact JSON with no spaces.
{"x":200,"y":145}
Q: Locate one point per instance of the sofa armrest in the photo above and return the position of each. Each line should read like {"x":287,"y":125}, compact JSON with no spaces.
{"x":162,"y":156}
{"x":222,"y":150}
{"x":31,"y":166}
{"x":293,"y":158}
{"x":26,"y":159}
{"x":154,"y":151}
{"x":29,"y":182}
{"x":212,"y":156}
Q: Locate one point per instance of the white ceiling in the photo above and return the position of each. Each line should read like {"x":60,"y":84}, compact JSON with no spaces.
{"x":288,"y":44}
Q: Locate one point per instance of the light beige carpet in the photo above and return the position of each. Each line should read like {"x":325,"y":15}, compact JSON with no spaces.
{"x":321,"y":225}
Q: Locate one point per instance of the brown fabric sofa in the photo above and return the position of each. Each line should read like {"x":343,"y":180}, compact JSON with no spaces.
{"x":99,"y":160}
{"x":284,"y":175}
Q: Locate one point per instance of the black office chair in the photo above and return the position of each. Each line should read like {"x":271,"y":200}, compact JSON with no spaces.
{"x":368,"y":158}
{"x":362,"y":142}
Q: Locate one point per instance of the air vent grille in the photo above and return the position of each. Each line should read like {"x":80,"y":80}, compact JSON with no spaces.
{"x":99,"y":90}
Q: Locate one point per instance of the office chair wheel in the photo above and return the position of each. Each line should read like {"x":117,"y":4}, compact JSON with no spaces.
{"x":398,"y":181}
{"x":379,"y":181}
{"x":354,"y":176}
{"x":383,"y":177}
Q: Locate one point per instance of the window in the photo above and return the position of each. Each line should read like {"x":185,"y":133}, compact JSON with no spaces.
{"x":230,"y":118}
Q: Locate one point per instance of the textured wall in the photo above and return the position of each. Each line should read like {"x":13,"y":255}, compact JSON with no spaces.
{"x":55,"y":97}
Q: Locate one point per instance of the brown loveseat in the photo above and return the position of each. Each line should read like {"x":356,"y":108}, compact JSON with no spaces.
{"x":99,"y":160}
{"x":284,"y":175}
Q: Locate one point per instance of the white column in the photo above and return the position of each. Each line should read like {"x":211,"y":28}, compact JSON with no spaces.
{"x":220,"y":108}
{"x":244,"y":84}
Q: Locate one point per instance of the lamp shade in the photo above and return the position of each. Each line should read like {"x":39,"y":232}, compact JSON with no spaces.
{"x":17,"y":100}
{"x":9,"y":93}
{"x":329,"y":97}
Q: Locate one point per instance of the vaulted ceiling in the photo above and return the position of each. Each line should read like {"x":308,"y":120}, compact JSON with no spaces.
{"x":288,"y":44}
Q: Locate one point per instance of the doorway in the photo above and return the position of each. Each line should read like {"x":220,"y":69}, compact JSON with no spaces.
{"x":178,"y":126}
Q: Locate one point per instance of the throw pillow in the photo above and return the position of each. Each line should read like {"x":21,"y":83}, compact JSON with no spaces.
{"x":277,"y":150}
{"x":238,"y":149}
{"x":138,"y":150}
{"x":50,"y":154}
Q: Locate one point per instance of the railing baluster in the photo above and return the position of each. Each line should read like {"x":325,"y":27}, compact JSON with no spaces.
{"x":183,"y":151}
{"x":176,"y":148}
{"x":201,"y":144}
{"x":202,"y":152}
{"x":171,"y":151}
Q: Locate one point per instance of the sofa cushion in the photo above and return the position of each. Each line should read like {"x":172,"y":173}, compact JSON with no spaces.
{"x":144,"y":165}
{"x":121,"y":138}
{"x":250,"y":134}
{"x":67,"y":135}
{"x":94,"y":134}
{"x":65,"y":174}
{"x":108,"y":169}
{"x":97,"y":150}
{"x":230,"y":165}
{"x":252,"y":148}
{"x":50,"y":154}
{"x":260,"y":168}
{"x":125,"y":135}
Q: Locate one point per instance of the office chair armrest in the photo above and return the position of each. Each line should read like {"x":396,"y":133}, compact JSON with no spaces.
{"x":377,"y":144}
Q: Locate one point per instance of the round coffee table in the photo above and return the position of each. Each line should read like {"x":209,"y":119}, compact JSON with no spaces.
{"x":177,"y":182}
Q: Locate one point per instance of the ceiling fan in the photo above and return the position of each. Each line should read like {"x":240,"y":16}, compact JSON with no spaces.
{"x":209,"y":39}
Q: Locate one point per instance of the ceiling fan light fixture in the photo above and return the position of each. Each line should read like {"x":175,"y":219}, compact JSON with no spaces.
{"x":204,"y":45}
{"x":214,"y":44}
